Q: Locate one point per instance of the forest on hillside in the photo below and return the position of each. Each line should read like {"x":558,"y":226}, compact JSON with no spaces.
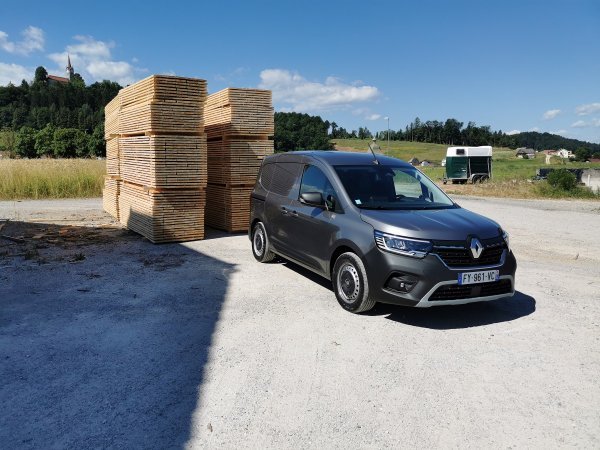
{"x":54,"y":119}
{"x":45,"y":118}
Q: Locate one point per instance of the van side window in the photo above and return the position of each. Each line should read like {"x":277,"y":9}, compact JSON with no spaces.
{"x":266,"y":175}
{"x":284,"y":178}
{"x":314,"y":180}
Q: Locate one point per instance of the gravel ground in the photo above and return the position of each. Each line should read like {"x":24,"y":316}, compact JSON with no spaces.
{"x":109,"y":341}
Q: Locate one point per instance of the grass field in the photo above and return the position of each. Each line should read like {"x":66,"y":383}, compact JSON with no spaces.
{"x":511,"y":177}
{"x":51,"y":178}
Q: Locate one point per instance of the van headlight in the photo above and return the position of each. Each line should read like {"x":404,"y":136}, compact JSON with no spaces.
{"x":506,"y":239}
{"x":402,"y":245}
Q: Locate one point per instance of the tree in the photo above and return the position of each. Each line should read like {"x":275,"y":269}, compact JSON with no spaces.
{"x":96,"y":144}
{"x":295,"y":131}
{"x":44,"y":140}
{"x":25,"y":143}
{"x":562,"y":179}
{"x":41,"y":75}
{"x":583,"y":154}
{"x":69,"y":143}
{"x":364,"y":133}
{"x":77,"y":80}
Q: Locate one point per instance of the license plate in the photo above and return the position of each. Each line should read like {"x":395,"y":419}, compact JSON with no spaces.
{"x":485,"y":276}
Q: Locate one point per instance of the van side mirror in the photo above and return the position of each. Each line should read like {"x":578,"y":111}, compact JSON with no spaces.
{"x":312,"y":198}
{"x":330,"y":203}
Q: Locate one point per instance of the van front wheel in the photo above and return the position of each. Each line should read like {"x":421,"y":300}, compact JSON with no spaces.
{"x":260,"y":244}
{"x":350,"y":283}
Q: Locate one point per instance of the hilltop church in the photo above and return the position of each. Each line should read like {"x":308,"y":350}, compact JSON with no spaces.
{"x":70,"y":72}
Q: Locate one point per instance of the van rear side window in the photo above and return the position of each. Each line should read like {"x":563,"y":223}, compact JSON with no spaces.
{"x":266,"y":175}
{"x":285,"y":178}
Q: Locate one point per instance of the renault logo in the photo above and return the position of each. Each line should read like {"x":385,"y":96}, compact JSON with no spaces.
{"x":476,"y":247}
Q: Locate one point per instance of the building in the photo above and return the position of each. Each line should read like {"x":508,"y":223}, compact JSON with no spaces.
{"x":525,"y":153}
{"x":65,"y":80}
{"x":564,"y":153}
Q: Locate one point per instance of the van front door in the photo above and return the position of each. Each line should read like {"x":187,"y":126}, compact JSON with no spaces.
{"x":312,"y":229}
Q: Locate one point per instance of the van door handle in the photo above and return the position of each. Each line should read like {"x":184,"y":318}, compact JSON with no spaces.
{"x":284,"y":211}
{"x":294,"y":214}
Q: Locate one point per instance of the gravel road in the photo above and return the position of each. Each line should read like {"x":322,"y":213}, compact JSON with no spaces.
{"x":109,"y":341}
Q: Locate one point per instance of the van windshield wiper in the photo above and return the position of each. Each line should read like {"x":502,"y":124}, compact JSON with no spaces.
{"x":376,"y":207}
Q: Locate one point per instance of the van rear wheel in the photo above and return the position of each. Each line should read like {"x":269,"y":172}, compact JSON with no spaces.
{"x":260,"y":244}
{"x":350,"y":283}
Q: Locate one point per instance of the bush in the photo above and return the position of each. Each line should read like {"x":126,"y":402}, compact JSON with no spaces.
{"x":25,"y":143}
{"x":562,"y":179}
{"x":70,"y":143}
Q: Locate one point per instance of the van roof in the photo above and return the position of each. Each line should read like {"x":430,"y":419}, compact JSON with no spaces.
{"x":336,"y":158}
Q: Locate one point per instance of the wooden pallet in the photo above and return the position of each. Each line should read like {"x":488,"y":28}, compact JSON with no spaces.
{"x":228,"y":207}
{"x":236,"y":160}
{"x":163,"y":215}
{"x":164,"y":161}
{"x":110,"y":196}
{"x":239,"y":111}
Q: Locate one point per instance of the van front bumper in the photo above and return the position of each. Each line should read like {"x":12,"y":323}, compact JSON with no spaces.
{"x":434,"y":283}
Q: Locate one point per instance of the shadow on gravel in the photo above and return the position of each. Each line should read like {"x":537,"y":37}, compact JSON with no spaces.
{"x":318,"y":279}
{"x":459,"y":316}
{"x":103,"y":337}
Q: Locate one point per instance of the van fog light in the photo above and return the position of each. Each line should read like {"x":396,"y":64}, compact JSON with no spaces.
{"x":401,"y":282}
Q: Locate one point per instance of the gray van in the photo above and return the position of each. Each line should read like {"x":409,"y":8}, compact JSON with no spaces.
{"x":379,"y":229}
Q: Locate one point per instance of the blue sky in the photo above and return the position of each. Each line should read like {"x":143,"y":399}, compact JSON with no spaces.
{"x":513,"y":65}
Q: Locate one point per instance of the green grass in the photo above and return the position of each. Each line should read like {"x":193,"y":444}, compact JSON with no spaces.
{"x":510,"y":175}
{"x":51,"y":178}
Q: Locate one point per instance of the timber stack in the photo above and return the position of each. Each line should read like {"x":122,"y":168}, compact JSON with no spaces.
{"x":156,"y":158}
{"x":239,"y":125}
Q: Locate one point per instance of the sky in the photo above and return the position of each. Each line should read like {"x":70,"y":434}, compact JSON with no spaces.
{"x":516,"y":66}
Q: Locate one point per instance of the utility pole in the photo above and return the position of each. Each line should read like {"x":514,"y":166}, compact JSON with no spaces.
{"x":388,"y":133}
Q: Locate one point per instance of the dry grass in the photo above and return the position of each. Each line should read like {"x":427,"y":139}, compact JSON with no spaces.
{"x":51,"y":178}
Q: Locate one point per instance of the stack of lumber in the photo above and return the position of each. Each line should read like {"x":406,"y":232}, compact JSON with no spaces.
{"x":164,"y":162}
{"x":163,"y":215}
{"x":235,"y":111}
{"x":159,"y":158}
{"x":236,"y":161}
{"x":111,"y":118}
{"x":163,"y":104}
{"x":238,"y":124}
{"x":110,"y":197}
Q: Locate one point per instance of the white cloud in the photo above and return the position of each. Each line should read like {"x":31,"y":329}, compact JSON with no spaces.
{"x":590,"y":108}
{"x":300,"y":94}
{"x":511,"y":132}
{"x":535,"y":129}
{"x":33,"y":40}
{"x":13,"y":73}
{"x":551,"y":114}
{"x":93,"y":60}
{"x":373,"y":117}
{"x":583,"y":124}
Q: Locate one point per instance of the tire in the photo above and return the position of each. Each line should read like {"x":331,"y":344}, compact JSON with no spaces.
{"x":350,"y":284}
{"x":260,"y":244}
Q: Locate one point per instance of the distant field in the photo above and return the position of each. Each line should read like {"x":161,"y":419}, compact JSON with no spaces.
{"x":51,"y":178}
{"x":510,"y":176}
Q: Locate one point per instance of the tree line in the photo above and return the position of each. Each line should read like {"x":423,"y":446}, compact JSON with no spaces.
{"x":295,"y":131}
{"x":45,"y":118}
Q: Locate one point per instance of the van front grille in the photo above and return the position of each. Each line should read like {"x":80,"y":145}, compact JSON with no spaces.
{"x":458,"y":292}
{"x":457,"y":254}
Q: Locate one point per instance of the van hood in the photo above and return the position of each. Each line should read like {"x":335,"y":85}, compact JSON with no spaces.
{"x":454,"y":224}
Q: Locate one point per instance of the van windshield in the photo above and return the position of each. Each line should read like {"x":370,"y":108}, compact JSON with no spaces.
{"x":390,"y":187}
